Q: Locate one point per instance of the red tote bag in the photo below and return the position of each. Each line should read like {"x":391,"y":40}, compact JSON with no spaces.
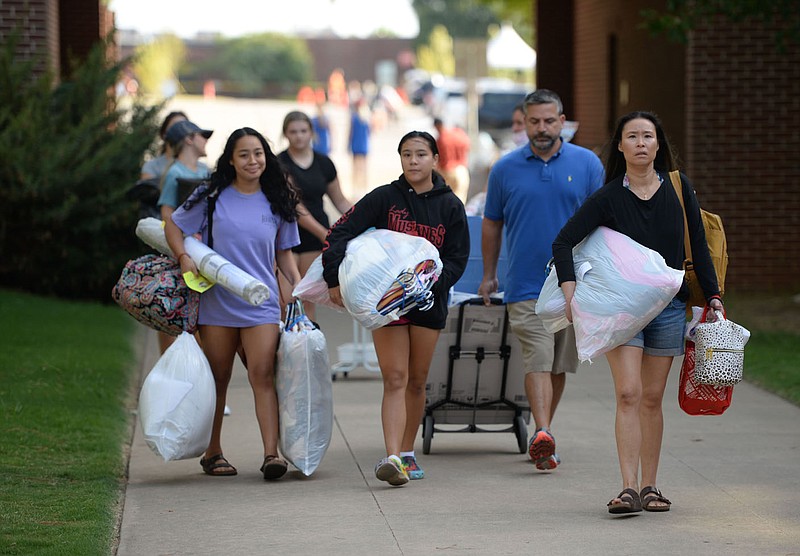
{"x":700,"y":399}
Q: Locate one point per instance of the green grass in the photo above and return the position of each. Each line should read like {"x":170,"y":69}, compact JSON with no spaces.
{"x":772,"y":361}
{"x":65,"y":371}
{"x":772,"y":355}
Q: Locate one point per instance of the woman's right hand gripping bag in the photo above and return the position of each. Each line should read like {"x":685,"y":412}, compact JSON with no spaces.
{"x":621,"y":286}
{"x":305,"y":392}
{"x":177,"y":401}
{"x":381,"y":265}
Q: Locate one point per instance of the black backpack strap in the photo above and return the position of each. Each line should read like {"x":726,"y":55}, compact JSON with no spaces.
{"x":212,"y":202}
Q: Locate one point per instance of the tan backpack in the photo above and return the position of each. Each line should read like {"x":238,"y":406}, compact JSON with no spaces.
{"x":717,"y":247}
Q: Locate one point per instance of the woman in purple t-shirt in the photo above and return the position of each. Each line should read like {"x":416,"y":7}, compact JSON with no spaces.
{"x":254,"y":227}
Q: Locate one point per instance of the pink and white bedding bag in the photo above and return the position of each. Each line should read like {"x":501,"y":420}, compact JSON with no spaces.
{"x":620,"y":287}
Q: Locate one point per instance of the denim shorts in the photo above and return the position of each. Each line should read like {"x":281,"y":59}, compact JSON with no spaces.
{"x":664,"y":335}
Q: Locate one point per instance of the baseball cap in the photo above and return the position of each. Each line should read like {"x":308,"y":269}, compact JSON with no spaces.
{"x":179,"y":130}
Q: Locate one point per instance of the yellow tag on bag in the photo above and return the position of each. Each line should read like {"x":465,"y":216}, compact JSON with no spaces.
{"x":197,"y":282}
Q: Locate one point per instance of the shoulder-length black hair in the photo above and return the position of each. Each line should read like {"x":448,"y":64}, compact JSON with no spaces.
{"x":615,"y":165}
{"x":274,"y":180}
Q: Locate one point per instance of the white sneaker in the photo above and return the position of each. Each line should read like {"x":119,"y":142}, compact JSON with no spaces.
{"x":227,"y":410}
{"x":390,"y":470}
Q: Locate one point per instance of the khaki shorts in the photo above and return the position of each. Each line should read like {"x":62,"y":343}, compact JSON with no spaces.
{"x":542,"y":352}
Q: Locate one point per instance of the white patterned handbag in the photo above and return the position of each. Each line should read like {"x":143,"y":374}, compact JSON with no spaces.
{"x":719,"y":355}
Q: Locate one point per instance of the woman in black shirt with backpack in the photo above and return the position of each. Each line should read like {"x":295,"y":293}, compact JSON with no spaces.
{"x":639,"y":201}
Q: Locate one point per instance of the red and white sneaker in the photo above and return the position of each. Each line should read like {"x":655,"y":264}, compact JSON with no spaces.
{"x":542,"y":448}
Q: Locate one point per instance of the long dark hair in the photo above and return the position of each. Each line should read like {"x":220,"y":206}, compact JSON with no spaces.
{"x":665,"y":161}
{"x":274,"y":180}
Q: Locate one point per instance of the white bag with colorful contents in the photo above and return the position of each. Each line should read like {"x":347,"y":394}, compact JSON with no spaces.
{"x":385,"y":274}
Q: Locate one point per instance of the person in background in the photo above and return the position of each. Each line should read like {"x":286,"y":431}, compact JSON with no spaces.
{"x":188,"y":143}
{"x":454,"y":147}
{"x":532,"y":192}
{"x":639,"y":201}
{"x":314,"y":175}
{"x":322,"y":131}
{"x":154,"y":170}
{"x":419,"y":203}
{"x":156,"y":167}
{"x":254,"y":227}
{"x":358,"y":141}
{"x":519,"y":137}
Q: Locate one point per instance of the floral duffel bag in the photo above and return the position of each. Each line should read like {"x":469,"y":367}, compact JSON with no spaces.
{"x":152,"y":290}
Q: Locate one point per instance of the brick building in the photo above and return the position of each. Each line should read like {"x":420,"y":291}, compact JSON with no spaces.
{"x":360,"y":58}
{"x":729,"y":101}
{"x":56,"y":30}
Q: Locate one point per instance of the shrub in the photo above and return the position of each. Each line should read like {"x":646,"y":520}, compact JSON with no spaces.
{"x":68,"y":154}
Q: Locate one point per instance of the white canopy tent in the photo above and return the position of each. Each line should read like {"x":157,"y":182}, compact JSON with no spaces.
{"x":507,"y":50}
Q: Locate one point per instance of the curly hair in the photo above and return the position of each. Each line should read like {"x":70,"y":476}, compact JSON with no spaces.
{"x":275,"y":184}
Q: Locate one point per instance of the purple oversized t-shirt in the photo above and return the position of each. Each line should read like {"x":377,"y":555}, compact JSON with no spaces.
{"x":247,"y":233}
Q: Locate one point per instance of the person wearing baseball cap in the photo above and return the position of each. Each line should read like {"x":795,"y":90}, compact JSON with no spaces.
{"x":188,"y":143}
{"x":180,"y":130}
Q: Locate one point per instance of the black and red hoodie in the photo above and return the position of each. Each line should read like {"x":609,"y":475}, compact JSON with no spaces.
{"x":437,"y":215}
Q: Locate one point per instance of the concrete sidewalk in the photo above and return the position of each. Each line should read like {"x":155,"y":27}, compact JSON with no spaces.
{"x":734,"y":481}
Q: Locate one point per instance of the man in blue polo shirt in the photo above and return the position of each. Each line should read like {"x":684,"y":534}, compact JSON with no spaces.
{"x":533,"y":191}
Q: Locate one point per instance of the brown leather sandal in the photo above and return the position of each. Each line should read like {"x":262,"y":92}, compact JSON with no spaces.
{"x":629,"y":502}
{"x":651,"y":494}
{"x":214,"y":463}
{"x":274,"y":467}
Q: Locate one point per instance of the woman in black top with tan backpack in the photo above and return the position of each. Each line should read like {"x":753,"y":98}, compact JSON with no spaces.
{"x":639,"y":201}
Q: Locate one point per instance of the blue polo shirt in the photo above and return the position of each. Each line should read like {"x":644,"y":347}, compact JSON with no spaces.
{"x":534,"y":199}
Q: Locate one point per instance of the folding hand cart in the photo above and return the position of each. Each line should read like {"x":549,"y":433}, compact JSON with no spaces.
{"x":476,"y":376}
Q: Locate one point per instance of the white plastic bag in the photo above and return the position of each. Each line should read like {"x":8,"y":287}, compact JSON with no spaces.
{"x":313,"y":288}
{"x":372,"y":264}
{"x":620,"y":287}
{"x":305,"y":395}
{"x":697,"y":315}
{"x":177,"y":402}
{"x":551,"y":305}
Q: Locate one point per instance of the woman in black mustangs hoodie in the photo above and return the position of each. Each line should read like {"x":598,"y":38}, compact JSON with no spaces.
{"x":419,"y":203}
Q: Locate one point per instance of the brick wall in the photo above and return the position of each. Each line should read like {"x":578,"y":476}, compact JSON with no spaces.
{"x":357,"y":57}
{"x":620,"y":68}
{"x":37,"y":21}
{"x":555,"y":60}
{"x":55,"y":31}
{"x":79,"y":29}
{"x":744,"y":147}
{"x":730,"y":103}
{"x":592,"y":27}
